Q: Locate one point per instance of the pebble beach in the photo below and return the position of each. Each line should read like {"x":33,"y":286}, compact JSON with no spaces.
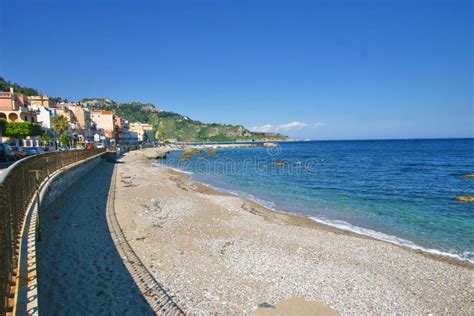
{"x":218,"y":253}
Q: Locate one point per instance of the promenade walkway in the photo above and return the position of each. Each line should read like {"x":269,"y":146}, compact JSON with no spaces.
{"x":80,"y":270}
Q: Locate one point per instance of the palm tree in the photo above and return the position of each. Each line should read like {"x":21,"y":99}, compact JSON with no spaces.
{"x":60,"y":124}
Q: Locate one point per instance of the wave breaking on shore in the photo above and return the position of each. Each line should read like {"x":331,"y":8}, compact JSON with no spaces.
{"x":467,"y":257}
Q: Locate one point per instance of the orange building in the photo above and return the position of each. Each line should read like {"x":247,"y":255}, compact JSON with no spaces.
{"x":14,"y":108}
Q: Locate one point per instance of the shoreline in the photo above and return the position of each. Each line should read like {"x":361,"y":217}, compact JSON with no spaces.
{"x":220,"y":253}
{"x":431,"y":253}
{"x":320,"y":224}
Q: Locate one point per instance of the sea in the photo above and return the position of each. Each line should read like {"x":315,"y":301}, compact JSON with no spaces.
{"x":399,"y":191}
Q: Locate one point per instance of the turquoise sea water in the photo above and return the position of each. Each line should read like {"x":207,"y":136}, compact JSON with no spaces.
{"x":402,"y":191}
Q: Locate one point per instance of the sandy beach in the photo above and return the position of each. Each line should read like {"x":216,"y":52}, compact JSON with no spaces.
{"x":218,"y":253}
{"x":80,"y":271}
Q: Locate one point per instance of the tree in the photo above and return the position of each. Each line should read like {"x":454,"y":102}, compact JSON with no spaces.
{"x":3,"y":126}
{"x":23,"y":129}
{"x":64,"y":139}
{"x":160,"y":135}
{"x":60,"y":124}
{"x":45,"y":139}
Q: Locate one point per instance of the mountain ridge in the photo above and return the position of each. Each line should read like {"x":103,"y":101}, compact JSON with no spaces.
{"x":177,"y":126}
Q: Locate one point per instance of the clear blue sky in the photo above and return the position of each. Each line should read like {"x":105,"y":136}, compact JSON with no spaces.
{"x":339,"y":69}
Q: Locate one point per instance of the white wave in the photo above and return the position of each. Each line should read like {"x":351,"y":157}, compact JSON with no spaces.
{"x":466,"y":256}
{"x":248,"y":196}
{"x":157,"y":164}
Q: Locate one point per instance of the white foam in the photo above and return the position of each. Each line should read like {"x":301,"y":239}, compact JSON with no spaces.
{"x":157,"y":164}
{"x":466,"y":256}
{"x":241,"y":194}
{"x":390,"y":239}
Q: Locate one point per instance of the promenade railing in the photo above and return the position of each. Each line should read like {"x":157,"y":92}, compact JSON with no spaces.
{"x":18,"y":186}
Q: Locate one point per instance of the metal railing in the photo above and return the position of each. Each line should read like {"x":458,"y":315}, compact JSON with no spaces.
{"x":18,"y":185}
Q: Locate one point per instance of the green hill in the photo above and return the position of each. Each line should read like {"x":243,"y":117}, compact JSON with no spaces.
{"x":172,"y":125}
{"x":176,"y":126}
{"x":5,"y":86}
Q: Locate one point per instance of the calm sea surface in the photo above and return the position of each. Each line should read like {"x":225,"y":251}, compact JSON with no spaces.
{"x":402,"y":191}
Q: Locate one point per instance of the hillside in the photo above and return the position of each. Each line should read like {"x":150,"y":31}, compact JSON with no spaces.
{"x":176,"y":126}
{"x":5,"y":86}
{"x":172,"y":125}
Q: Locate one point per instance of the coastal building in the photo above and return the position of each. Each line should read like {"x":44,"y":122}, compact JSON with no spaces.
{"x":14,"y":107}
{"x":144,"y":131}
{"x":41,"y":100}
{"x":67,"y":114}
{"x":81,"y":116}
{"x":126,"y":139}
{"x":103,"y":120}
{"x":44,"y":115}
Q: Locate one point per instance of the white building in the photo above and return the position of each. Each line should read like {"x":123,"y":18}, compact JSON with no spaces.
{"x":44,"y":115}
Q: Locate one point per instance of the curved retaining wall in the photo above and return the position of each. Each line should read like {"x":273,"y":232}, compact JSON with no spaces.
{"x":63,"y":180}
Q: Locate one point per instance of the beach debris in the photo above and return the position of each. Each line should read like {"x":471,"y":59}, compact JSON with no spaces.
{"x":140,"y":238}
{"x":226,"y":244}
{"x":155,"y":202}
{"x":280,"y":163}
{"x":469,"y":176}
{"x":266,"y":305}
{"x":465,"y":199}
{"x":128,"y":182}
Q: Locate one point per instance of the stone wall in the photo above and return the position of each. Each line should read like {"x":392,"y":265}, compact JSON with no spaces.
{"x":61,"y":181}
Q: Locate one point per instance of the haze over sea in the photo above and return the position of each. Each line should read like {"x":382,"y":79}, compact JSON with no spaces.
{"x":402,"y":191}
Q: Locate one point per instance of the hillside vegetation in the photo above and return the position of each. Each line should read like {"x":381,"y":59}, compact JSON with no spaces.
{"x":172,"y":125}
{"x":176,"y":126}
{"x":5,"y":86}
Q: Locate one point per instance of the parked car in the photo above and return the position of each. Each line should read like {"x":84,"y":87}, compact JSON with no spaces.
{"x":19,"y":152}
{"x":30,"y":151}
{"x":6,"y":153}
{"x":100,"y":145}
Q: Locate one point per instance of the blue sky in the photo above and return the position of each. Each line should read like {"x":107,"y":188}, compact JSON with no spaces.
{"x":310,"y":69}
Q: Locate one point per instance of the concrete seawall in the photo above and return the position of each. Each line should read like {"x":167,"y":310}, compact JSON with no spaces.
{"x":63,"y":180}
